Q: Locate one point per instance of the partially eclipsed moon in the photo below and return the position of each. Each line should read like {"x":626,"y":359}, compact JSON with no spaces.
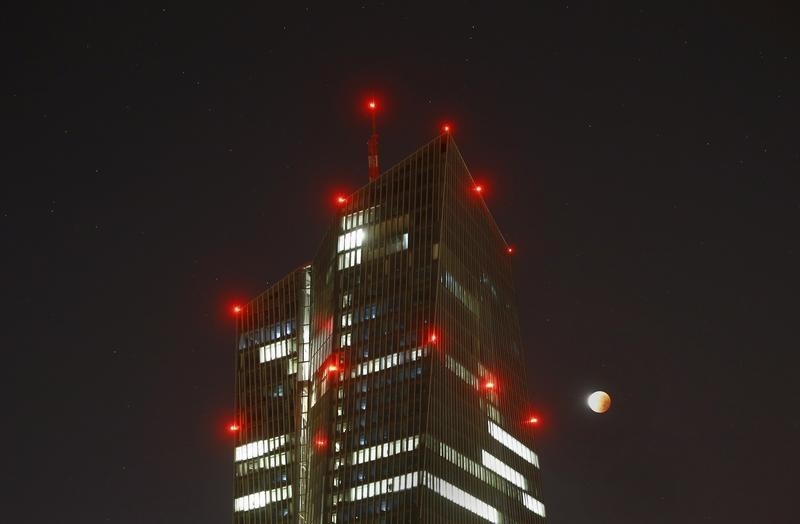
{"x":599,"y":401}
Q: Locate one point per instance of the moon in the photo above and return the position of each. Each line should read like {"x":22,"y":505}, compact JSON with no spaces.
{"x":599,"y":401}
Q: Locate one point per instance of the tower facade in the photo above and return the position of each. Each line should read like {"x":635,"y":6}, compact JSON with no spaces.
{"x":399,"y":359}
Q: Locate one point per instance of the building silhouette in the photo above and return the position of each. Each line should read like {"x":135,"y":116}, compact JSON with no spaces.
{"x":384,"y":382}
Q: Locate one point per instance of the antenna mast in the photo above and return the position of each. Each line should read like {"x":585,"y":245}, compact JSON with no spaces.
{"x":372,"y":146}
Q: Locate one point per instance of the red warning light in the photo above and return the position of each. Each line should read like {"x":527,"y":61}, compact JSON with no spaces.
{"x":478,"y":189}
{"x":320,"y":439}
{"x":510,"y":250}
{"x":234,"y":427}
{"x":490,"y":385}
{"x":340,"y":199}
{"x":237,"y":309}
{"x":534,"y":420}
{"x":433,"y":337}
{"x":446,"y":128}
{"x":372,"y":104}
{"x":333,"y":368}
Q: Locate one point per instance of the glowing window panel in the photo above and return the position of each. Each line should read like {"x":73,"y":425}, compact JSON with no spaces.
{"x":262,"y":499}
{"x":266,"y":334}
{"x":503,"y":469}
{"x":350,"y":240}
{"x":359,"y":218}
{"x":533,"y":504}
{"x":269,"y":462}
{"x":276,"y":350}
{"x":492,"y":412}
{"x":385,"y":450}
{"x":472,"y":467}
{"x":513,"y":444}
{"x":260,"y":447}
{"x":460,"y":292}
{"x":379,"y":487}
{"x":349,"y":259}
{"x":460,"y":371}
{"x":460,"y":497}
{"x":388,"y":361}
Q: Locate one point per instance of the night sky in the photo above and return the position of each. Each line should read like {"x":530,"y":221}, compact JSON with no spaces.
{"x":161,"y":162}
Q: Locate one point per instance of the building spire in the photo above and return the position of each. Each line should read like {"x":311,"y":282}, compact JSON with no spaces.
{"x":372,"y":145}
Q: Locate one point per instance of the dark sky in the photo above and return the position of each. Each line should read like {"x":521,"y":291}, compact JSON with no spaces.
{"x":160,"y":162}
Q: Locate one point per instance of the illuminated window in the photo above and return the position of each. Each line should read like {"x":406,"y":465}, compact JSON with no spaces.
{"x":533,"y":504}
{"x":388,"y":361}
{"x":467,"y":464}
{"x":397,"y":244}
{"x":262,"y":499}
{"x":460,"y":371}
{"x":385,"y":450}
{"x":379,"y":487}
{"x":460,"y":292}
{"x":513,"y":444}
{"x":370,"y":311}
{"x":260,"y":447}
{"x":460,"y":497}
{"x":492,"y":412}
{"x":503,"y":469}
{"x":350,"y":258}
{"x":345,"y":340}
{"x":269,"y":462}
{"x":276,"y":350}
{"x":350,"y":240}
{"x":266,"y":334}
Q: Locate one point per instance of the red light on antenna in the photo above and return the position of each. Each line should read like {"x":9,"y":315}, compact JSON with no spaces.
{"x":237,"y":309}
{"x":340,"y":199}
{"x":372,"y":104}
{"x":433,"y":337}
{"x":478,"y":189}
{"x":510,"y":250}
{"x":534,"y":420}
{"x":234,"y":427}
{"x":489,"y":384}
{"x":446,"y":128}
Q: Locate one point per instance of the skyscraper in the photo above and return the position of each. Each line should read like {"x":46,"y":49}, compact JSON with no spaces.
{"x":384,"y":382}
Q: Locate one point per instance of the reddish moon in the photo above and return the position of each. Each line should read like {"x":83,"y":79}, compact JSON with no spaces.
{"x":599,"y":401}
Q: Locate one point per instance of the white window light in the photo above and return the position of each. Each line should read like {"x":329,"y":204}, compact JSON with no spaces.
{"x":350,"y":240}
{"x":276,"y":350}
{"x":460,"y":371}
{"x":533,"y":504}
{"x":388,"y":361}
{"x":513,"y":444}
{"x":260,"y":447}
{"x":349,"y":259}
{"x":269,"y":462}
{"x":262,"y":498}
{"x":503,"y":469}
{"x":385,"y":450}
{"x":379,"y":487}
{"x":460,"y":497}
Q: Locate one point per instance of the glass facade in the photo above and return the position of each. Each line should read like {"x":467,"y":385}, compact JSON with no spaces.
{"x":384,"y":382}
